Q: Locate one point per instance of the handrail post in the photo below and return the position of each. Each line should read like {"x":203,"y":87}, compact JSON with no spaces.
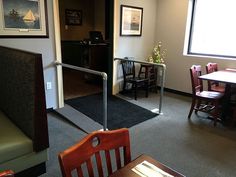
{"x":163,"y":74}
{"x":104,"y":77}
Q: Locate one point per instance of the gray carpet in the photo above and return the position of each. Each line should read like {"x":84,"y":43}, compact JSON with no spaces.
{"x":195,"y":148}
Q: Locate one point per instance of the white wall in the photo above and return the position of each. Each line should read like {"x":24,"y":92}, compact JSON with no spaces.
{"x":99,"y":16}
{"x":138,"y":47}
{"x":163,"y":20}
{"x":46,"y":47}
{"x":168,"y":20}
{"x":171,"y":21}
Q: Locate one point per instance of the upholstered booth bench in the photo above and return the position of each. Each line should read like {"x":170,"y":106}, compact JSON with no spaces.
{"x":23,"y":119}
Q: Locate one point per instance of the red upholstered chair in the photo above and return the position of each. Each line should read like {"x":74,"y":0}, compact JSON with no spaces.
{"x":212,"y":85}
{"x":204,"y":101}
{"x":7,"y":173}
{"x":92,"y":147}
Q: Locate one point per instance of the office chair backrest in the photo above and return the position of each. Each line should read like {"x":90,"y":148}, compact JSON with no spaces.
{"x":97,"y":145}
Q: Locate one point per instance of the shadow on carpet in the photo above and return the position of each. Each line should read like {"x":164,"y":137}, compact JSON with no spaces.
{"x":121,"y":113}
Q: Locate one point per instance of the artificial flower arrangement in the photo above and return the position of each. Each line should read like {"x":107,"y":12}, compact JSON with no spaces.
{"x":157,"y":56}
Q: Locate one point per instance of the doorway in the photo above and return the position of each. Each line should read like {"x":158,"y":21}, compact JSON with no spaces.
{"x":78,"y":48}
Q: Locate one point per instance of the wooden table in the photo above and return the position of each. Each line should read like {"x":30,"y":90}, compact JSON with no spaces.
{"x":224,"y":76}
{"x":126,"y":171}
{"x":227,"y":77}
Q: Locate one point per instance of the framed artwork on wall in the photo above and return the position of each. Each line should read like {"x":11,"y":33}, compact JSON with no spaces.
{"x":131,"y":21}
{"x":23,"y":18}
{"x":73,"y":17}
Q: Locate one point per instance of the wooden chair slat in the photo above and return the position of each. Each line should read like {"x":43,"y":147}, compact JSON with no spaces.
{"x":118,"y":161}
{"x":79,"y":171}
{"x":90,"y":167}
{"x":99,"y":164}
{"x":108,"y":162}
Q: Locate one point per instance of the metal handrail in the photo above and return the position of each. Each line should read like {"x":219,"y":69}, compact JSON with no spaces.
{"x":104,"y":77}
{"x":163,"y":74}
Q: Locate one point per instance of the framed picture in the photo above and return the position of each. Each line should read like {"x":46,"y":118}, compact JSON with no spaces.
{"x":131,"y":21}
{"x":73,"y":17}
{"x":23,"y":18}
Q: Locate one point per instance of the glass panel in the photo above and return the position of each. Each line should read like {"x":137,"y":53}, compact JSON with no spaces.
{"x":213,"y":30}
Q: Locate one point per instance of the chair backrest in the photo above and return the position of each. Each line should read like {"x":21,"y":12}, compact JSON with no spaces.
{"x":128,"y":68}
{"x":98,"y":145}
{"x":7,"y":173}
{"x":197,"y":84}
{"x":211,"y":67}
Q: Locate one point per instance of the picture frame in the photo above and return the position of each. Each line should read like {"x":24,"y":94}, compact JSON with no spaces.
{"x":131,"y":21}
{"x":23,"y":19}
{"x":73,"y":17}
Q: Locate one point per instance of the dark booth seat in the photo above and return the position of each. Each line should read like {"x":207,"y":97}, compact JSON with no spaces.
{"x":24,"y":130}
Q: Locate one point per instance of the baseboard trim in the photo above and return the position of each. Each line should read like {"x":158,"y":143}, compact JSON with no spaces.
{"x":178,"y":92}
{"x":50,"y":110}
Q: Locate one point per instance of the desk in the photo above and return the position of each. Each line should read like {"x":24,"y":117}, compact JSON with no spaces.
{"x":126,"y":171}
{"x":92,"y":56}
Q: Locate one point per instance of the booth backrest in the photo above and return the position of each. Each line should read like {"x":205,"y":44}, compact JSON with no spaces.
{"x":22,"y":94}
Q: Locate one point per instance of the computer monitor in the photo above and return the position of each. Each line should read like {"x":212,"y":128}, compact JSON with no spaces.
{"x":96,"y":37}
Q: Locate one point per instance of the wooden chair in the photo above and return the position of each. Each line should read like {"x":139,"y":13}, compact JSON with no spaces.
{"x":204,"y":101}
{"x":212,"y":85}
{"x":7,"y":173}
{"x":129,"y":76}
{"x":92,"y":146}
{"x":150,"y":72}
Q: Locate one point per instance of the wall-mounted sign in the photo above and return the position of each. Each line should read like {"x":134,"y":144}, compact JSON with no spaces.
{"x":73,"y":17}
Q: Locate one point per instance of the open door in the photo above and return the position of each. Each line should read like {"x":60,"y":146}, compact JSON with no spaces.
{"x":109,"y":22}
{"x":58,"y":53}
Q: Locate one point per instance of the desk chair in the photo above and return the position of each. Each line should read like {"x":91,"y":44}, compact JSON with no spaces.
{"x":212,"y":85}
{"x":7,"y":173}
{"x":92,"y":146}
{"x":204,"y":101}
{"x":128,"y":68}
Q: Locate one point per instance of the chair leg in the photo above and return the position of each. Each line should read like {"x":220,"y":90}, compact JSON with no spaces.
{"x":197,"y":106}
{"x":216,"y":113}
{"x":234,"y":117}
{"x":135,"y":91}
{"x":147,"y":89}
{"x":192,"y":108}
{"x":124,"y":86}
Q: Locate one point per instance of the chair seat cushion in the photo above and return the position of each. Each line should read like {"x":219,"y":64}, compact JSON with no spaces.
{"x":209,"y":95}
{"x":13,"y":142}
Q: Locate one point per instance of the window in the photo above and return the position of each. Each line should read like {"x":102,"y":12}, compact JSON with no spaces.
{"x":211,"y":29}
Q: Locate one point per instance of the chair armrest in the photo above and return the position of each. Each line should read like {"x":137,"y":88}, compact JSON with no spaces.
{"x":7,"y":173}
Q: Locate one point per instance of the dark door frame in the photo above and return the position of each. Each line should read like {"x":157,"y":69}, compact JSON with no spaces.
{"x":109,"y":32}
